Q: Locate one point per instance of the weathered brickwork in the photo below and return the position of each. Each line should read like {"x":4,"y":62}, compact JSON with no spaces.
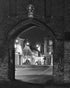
{"x":67,"y":43}
{"x":67,"y":15}
{"x":67,"y":61}
{"x":58,"y":61}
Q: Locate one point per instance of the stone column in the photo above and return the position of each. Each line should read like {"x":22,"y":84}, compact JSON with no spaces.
{"x":45,"y":49}
{"x":45,"y":46}
{"x":16,"y":59}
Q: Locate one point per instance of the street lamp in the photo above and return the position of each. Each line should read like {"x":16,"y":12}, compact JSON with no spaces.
{"x":16,"y":40}
{"x":50,"y":42}
{"x":28,"y":43}
{"x":38,"y":47}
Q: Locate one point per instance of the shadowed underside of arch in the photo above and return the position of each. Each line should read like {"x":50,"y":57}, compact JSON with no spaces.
{"x":27,"y":25}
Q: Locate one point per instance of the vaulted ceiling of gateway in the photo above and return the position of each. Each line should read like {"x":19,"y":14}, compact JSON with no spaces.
{"x":35,"y":35}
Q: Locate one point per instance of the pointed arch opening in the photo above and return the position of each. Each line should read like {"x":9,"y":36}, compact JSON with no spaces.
{"x":31,"y":52}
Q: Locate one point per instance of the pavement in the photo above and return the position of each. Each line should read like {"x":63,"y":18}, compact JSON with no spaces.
{"x":34,"y":74}
{"x":19,"y":82}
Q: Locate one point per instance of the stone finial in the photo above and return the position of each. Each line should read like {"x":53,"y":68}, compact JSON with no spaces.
{"x":30,"y":11}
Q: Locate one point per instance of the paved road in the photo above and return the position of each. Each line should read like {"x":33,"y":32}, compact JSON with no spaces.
{"x":34,"y":74}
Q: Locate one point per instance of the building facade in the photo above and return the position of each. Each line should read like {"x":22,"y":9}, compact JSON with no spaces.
{"x":52,"y":15}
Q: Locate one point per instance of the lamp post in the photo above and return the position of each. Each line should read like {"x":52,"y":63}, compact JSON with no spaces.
{"x":38,"y":48}
{"x":50,"y":51}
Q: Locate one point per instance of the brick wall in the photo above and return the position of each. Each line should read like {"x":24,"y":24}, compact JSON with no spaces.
{"x":67,"y":15}
{"x":67,"y":61}
{"x":58,"y":71}
{"x":67,"y":43}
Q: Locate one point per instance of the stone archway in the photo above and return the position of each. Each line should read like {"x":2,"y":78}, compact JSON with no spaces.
{"x":16,"y":31}
{"x":29,"y":23}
